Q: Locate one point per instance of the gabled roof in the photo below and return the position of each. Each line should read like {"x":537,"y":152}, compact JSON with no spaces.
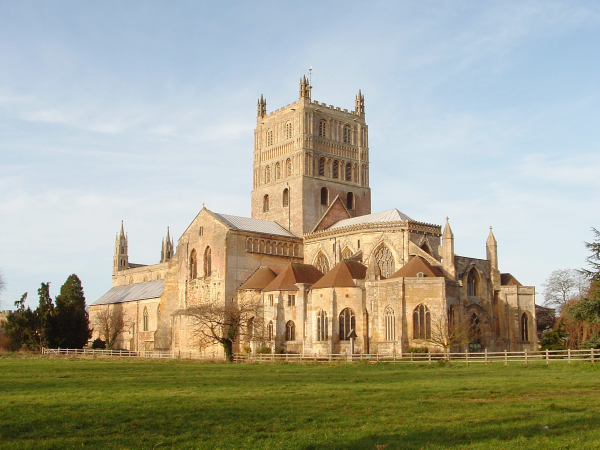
{"x":343,"y":274}
{"x":294,"y":273}
{"x":132,"y":292}
{"x":256,"y":225}
{"x":259,"y":279}
{"x":416,"y":265}
{"x":391,"y":215}
{"x":337,"y":211}
{"x":506,"y":279}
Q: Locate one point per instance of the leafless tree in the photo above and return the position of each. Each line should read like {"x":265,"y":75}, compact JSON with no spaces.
{"x":564,"y":286}
{"x":110,"y":322}
{"x":2,"y":285}
{"x":448,"y":331}
{"x":225,"y":323}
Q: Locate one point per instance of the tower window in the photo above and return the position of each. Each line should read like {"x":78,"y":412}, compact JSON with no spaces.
{"x":324,"y":196}
{"x":347,"y":135}
{"x":335,"y":168}
{"x":288,"y":130}
{"x":277,"y":171}
{"x":322,"y":128}
{"x":286,"y":197}
{"x":348,"y":172}
{"x":288,"y":168}
{"x":268,"y":174}
{"x":270,"y":299}
{"x":270,"y":137}
{"x":266,"y":203}
{"x":207,"y":262}
{"x":322,"y":167}
{"x":350,"y":200}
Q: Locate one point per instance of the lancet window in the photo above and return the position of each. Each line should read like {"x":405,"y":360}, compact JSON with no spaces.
{"x":421,"y":322}
{"x":347,"y":324}
{"x":322,"y":326}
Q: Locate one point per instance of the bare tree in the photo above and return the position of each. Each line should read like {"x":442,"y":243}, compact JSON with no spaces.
{"x":225,"y":323}
{"x":563,"y":286}
{"x":2,"y":285}
{"x":110,"y":322}
{"x":448,"y":331}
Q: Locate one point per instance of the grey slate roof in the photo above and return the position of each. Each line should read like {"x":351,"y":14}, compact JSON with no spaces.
{"x":132,"y":292}
{"x":256,"y":225}
{"x":391,"y":215}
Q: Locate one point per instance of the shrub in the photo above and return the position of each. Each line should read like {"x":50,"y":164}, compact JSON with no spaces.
{"x":264,"y":350}
{"x":417,"y":350}
{"x":99,"y":344}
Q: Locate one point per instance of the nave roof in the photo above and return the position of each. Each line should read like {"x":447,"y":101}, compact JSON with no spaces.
{"x":132,"y":292}
{"x":255,"y":225}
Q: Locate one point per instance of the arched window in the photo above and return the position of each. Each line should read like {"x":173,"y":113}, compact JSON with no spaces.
{"x":288,"y":130}
{"x":266,"y":203}
{"x":268,"y":174}
{"x":322,"y":128}
{"x":322,"y":328}
{"x":347,"y":135}
{"x":288,"y":168}
{"x":290,"y":331}
{"x":347,"y":253}
{"x":270,"y":331}
{"x":286,"y":197}
{"x":348,"y":172}
{"x":193,"y":265}
{"x":421,"y":322}
{"x":324,"y":196}
{"x":322,"y":167}
{"x":350,"y":200}
{"x":347,"y":324}
{"x":475,"y":333}
{"x":390,"y":324}
{"x":472,"y":283}
{"x":145,"y":320}
{"x":207,"y":262}
{"x":336,"y":172}
{"x":270,"y":137}
{"x":524,"y":328}
{"x":277,"y":171}
{"x":384,"y":262}
{"x":322,"y":263}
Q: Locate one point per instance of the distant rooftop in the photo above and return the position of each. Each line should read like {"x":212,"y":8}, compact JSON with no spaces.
{"x":391,"y":215}
{"x":256,"y":225}
{"x":132,"y":292}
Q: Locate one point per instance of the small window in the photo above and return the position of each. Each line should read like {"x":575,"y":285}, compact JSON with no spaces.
{"x":322,"y":128}
{"x":420,"y":275}
{"x":322,"y":167}
{"x":288,"y":130}
{"x":286,"y":197}
{"x":270,"y":331}
{"x":288,"y":168}
{"x":390,"y":325}
{"x":290,"y":331}
{"x":347,"y":135}
{"x":145,"y":320}
{"x":350,"y":200}
{"x":358,"y":244}
{"x":335,"y":169}
{"x":348,"y":172}
{"x":193,"y":265}
{"x":524,"y":328}
{"x":268,"y":174}
{"x":200,"y":231}
{"x":266,"y":203}
{"x":270,"y":137}
{"x":277,"y":171}
{"x":270,"y":299}
{"x":324,"y":196}
{"x":472,"y":283}
{"x":291,"y":300}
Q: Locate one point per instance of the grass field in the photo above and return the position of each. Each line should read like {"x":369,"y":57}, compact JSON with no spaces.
{"x":141,"y":404}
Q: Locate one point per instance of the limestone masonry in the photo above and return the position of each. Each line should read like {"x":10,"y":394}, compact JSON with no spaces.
{"x":323,"y":273}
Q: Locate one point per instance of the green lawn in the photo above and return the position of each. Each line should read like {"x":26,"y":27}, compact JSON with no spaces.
{"x":119,"y":404}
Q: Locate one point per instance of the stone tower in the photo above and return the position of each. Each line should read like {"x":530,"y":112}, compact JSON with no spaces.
{"x":166,"y":251}
{"x":305,"y":155}
{"x":121,"y":259}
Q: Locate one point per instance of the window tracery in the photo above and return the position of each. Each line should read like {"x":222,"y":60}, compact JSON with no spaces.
{"x":384,"y":262}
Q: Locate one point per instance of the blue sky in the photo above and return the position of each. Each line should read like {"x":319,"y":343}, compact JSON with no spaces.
{"x":486,"y":112}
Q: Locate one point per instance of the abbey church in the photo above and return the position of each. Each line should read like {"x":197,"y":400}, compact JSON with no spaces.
{"x":326,"y":274}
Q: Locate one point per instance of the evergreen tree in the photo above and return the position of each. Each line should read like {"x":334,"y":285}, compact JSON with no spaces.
{"x":70,"y":322}
{"x":20,"y":325}
{"x":44,"y":329}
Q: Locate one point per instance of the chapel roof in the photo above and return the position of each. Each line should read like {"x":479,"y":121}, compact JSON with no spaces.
{"x":132,"y":292}
{"x":256,"y":225}
{"x":259,"y":279}
{"x":292,"y":274}
{"x":417,"y":265}
{"x":343,"y":274}
{"x":391,"y":215}
{"x":506,"y":279}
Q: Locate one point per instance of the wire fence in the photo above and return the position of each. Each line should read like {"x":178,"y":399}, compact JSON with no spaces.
{"x":485,"y":357}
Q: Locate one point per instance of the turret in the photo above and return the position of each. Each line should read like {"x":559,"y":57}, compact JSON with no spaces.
{"x":448,"y":251}
{"x":359,"y":103}
{"x":305,"y":88}
{"x":121,"y":258}
{"x":491,"y":252}
{"x":166,"y":252}
{"x":262,"y":107}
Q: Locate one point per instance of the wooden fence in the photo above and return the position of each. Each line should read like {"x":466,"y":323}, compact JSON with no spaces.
{"x":485,"y":357}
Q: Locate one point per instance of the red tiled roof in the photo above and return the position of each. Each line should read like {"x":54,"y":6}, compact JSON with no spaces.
{"x":292,"y":274}
{"x":343,"y":274}
{"x":259,"y":279}
{"x":506,"y":279}
{"x":416,"y":265}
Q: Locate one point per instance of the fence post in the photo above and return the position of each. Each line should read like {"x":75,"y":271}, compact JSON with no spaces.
{"x":467,"y":357}
{"x":525,"y":357}
{"x":592,"y":355}
{"x":506,"y":357}
{"x":411,"y":357}
{"x":429,"y":355}
{"x":547,"y":358}
{"x":569,"y":354}
{"x":486,"y":357}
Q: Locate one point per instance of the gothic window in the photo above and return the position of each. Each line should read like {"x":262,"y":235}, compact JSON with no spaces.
{"x":390,"y":324}
{"x":322,"y":326}
{"x":472,"y":283}
{"x":270,"y":331}
{"x":270,"y":299}
{"x":286,"y":197}
{"x":322,"y":263}
{"x":322,"y":128}
{"x":324,"y":196}
{"x":291,"y":299}
{"x":122,"y":249}
{"x":288,"y":168}
{"x":348,"y":172}
{"x":268,"y":174}
{"x":207,"y":262}
{"x":384,"y":262}
{"x":145,"y":320}
{"x":475,"y":333}
{"x":347,"y":135}
{"x":421,"y":322}
{"x":347,"y":253}
{"x":290,"y":331}
{"x":336,"y":174}
{"x":524,"y":328}
{"x":270,"y":137}
{"x":350,"y":200}
{"x":347,"y":324}
{"x":288,"y":130}
{"x":322,"y":167}
{"x":266,"y":203}
{"x":193,"y":265}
